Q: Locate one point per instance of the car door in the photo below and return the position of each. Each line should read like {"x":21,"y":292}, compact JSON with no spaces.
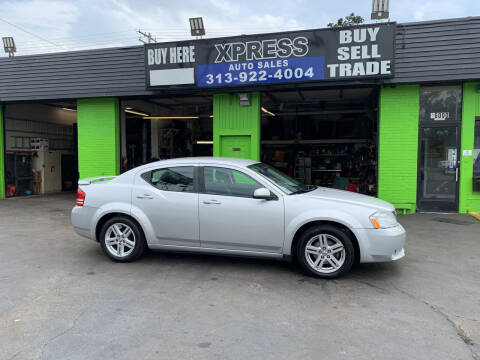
{"x":168,"y":196}
{"x":231,"y":219}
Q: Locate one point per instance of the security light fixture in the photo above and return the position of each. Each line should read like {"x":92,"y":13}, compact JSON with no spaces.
{"x":244,"y":99}
{"x":380,"y":10}
{"x":196,"y":26}
{"x":9,"y":46}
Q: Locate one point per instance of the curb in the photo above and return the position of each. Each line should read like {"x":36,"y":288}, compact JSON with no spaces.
{"x":476,"y":215}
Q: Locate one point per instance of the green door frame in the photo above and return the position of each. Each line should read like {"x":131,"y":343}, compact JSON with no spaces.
{"x":469,"y":199}
{"x":429,"y":205}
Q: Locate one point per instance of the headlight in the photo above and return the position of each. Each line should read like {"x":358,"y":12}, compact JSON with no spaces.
{"x":383,"y":219}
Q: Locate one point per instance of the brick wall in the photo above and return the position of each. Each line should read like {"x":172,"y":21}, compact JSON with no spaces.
{"x":398,"y":146}
{"x":98,"y":137}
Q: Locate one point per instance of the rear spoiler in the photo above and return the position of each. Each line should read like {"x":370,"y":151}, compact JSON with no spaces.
{"x":89,"y":181}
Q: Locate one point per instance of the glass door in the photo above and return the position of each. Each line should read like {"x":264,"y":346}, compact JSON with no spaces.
{"x":438,"y":168}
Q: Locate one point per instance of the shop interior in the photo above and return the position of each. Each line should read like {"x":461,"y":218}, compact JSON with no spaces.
{"x":163,"y":128}
{"x":323,"y":137}
{"x":40,"y":148}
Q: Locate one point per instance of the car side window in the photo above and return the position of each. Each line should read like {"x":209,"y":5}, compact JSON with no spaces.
{"x":179,"y":179}
{"x":229,"y":182}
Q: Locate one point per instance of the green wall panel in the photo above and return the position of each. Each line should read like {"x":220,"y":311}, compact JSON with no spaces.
{"x":398,"y":146}
{"x":236,"y":129}
{"x":2,"y":156}
{"x":241,"y":144}
{"x":98,"y":137}
{"x":469,"y":200}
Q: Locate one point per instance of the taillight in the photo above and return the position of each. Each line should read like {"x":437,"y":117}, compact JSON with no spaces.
{"x":80,"y":197}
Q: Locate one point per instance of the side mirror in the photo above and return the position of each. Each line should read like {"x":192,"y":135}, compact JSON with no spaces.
{"x":263,"y":193}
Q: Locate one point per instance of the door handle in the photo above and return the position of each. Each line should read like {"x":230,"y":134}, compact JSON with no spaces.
{"x":456,"y":174}
{"x":211,"y":202}
{"x":145,"y":196}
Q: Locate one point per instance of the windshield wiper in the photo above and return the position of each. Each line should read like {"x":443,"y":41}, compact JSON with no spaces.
{"x":303,"y":191}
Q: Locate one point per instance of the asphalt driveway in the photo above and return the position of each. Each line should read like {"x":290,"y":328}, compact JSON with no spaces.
{"x":61,"y":298}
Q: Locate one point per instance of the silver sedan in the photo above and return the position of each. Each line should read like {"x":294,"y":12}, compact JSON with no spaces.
{"x":235,"y":207}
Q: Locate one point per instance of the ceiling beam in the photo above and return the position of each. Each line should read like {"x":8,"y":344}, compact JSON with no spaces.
{"x":168,"y":107}
{"x":271,"y":97}
{"x":299,"y":92}
{"x":322,"y":112}
{"x":177,"y":104}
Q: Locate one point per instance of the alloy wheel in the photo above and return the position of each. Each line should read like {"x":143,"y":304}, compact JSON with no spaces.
{"x":325,"y":253}
{"x":120,"y":240}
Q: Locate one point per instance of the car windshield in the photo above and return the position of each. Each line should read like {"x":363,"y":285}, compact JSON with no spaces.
{"x":284,"y":182}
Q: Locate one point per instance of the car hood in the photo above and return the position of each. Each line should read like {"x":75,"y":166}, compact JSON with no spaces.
{"x":348,"y":197}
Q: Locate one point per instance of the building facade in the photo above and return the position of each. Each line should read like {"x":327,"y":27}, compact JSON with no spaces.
{"x":391,"y":110}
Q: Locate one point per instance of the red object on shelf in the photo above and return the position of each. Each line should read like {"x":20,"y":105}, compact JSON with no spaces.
{"x":352,"y":187}
{"x":11,"y":190}
{"x":21,"y":151}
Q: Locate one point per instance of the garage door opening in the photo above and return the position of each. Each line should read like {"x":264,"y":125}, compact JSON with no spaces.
{"x":323,"y":137}
{"x":40,"y":148}
{"x":164,"y":128}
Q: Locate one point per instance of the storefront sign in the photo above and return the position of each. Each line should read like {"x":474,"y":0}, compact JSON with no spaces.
{"x":170,"y":64}
{"x":304,"y":56}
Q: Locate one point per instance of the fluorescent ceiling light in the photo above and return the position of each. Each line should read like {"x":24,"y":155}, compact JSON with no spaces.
{"x":128,"y":108}
{"x":267,"y":112}
{"x":171,"y":117}
{"x":65,"y":108}
{"x":204,"y":142}
{"x":135,"y":112}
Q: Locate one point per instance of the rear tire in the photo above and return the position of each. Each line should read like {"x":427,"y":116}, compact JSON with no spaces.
{"x":325,"y":251}
{"x":122,"y":240}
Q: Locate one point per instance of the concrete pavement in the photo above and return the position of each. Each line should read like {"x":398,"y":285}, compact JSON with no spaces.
{"x":61,"y":298}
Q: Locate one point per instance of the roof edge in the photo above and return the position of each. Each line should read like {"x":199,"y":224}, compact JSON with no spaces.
{"x":438,"y":21}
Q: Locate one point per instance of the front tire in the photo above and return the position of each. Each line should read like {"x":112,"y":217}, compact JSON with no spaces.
{"x":122,"y":240}
{"x":325,"y":251}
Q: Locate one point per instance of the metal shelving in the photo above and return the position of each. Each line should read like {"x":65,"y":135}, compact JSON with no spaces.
{"x":314,"y":142}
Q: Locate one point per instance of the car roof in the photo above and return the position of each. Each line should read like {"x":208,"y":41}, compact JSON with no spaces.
{"x":204,"y":160}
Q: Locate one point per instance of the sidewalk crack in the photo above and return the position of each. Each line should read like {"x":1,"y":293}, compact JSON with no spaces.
{"x":70,"y":328}
{"x":467,"y":340}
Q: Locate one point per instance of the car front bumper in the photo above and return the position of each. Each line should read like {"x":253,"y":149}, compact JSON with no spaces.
{"x":380,"y":245}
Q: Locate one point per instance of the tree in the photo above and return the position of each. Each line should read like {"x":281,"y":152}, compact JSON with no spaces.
{"x":349,"y":20}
